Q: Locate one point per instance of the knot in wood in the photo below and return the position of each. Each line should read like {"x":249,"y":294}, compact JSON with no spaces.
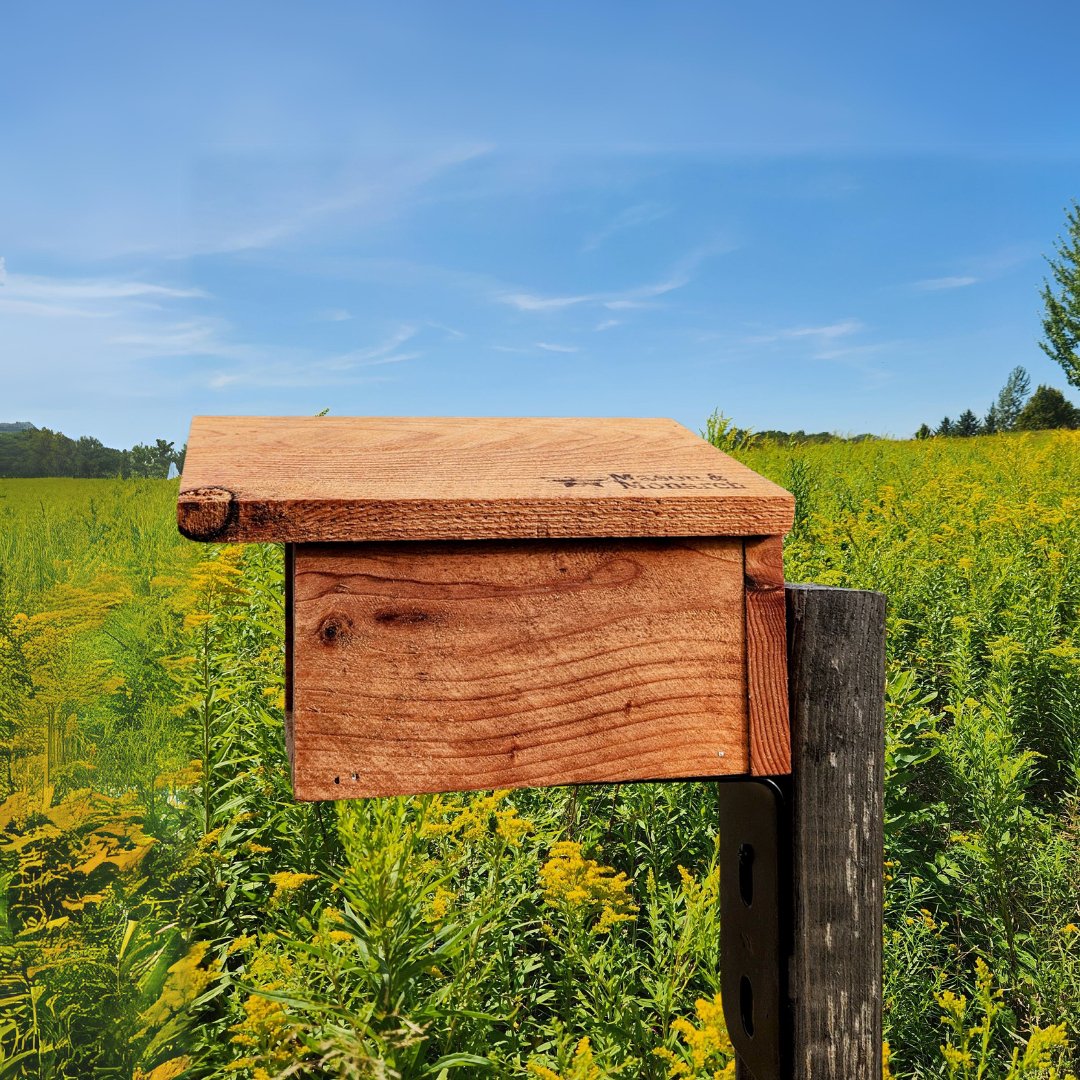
{"x":335,"y":629}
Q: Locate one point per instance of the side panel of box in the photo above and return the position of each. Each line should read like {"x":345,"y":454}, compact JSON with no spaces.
{"x":458,"y":666}
{"x":766,"y":657}
{"x":290,"y":573}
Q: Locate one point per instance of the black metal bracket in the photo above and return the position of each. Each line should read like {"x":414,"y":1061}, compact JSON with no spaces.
{"x":756,"y":922}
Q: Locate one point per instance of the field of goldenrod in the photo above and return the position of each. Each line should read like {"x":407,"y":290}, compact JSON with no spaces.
{"x":167,"y":910}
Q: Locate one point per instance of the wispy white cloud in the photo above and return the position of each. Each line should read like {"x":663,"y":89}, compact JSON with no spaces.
{"x":370,"y":191}
{"x":223,"y":198}
{"x":285,"y":369}
{"x":532,"y":302}
{"x":62,"y":289}
{"x":334,"y":315}
{"x":977,"y":269}
{"x":41,"y":310}
{"x":80,"y":298}
{"x":850,"y":352}
{"x":939,"y":283}
{"x":827,"y":332}
{"x":372,"y":353}
{"x":193,"y":337}
{"x":606,"y":324}
{"x":222,"y":379}
{"x":681,"y":275}
{"x":124,"y":317}
{"x":835,"y":342}
{"x":119,"y":317}
{"x":89,"y":333}
{"x":614,"y":301}
{"x":87,"y":344}
{"x":449,"y":331}
{"x":549,"y":346}
{"x":631,"y":218}
{"x":348,"y":362}
{"x":641,"y":297}
{"x":288,"y":375}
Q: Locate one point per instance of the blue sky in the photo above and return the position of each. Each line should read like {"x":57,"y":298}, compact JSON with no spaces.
{"x":825,"y":216}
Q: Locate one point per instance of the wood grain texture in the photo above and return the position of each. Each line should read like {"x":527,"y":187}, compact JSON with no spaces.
{"x":314,"y":479}
{"x":837,"y":675}
{"x":447,"y":667}
{"x":766,"y":657}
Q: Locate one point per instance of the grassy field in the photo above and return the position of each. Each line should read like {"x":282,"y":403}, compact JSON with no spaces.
{"x":167,"y":910}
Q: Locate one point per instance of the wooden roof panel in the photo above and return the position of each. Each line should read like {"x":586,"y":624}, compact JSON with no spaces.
{"x":316,"y":479}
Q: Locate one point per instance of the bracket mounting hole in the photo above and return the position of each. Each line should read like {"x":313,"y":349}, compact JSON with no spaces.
{"x":746,"y":1006}
{"x":746,"y":874}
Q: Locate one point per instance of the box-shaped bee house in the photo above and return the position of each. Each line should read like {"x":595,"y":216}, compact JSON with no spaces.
{"x":483,"y":603}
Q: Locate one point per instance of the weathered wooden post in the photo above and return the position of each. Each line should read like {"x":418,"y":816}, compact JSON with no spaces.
{"x":810,"y":846}
{"x":482,"y":603}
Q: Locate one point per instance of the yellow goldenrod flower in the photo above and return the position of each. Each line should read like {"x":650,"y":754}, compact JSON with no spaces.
{"x":439,"y":904}
{"x":582,"y":887}
{"x":703,"y":1046}
{"x":240,"y":944}
{"x":286,"y":881}
{"x":167,"y":1070}
{"x":582,"y":1066}
{"x":473,"y":818}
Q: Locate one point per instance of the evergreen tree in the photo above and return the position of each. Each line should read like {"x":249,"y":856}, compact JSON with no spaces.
{"x":1061,"y":326}
{"x":945,"y":427}
{"x":1011,"y":398}
{"x":924,"y":432}
{"x":967,"y":425}
{"x":990,"y":421}
{"x":1048,"y":408}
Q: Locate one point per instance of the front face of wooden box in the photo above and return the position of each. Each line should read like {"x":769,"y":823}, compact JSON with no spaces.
{"x":468,"y":665}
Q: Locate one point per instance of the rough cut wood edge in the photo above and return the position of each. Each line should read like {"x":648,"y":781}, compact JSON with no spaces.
{"x":766,"y":657}
{"x":837,"y":677}
{"x":219,"y":516}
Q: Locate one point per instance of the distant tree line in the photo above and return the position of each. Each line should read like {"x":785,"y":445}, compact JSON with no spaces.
{"x":1014,"y":409}
{"x":798,"y":438}
{"x":722,"y":432}
{"x":28,"y":451}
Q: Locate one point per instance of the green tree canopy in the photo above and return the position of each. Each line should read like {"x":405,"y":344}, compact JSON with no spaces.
{"x":1061,"y":325}
{"x":27,"y":451}
{"x":1011,"y":399}
{"x":1048,"y":408}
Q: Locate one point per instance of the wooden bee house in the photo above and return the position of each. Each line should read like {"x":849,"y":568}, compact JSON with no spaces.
{"x":483,"y":603}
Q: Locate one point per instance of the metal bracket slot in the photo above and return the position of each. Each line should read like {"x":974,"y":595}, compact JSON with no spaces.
{"x":756,"y":924}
